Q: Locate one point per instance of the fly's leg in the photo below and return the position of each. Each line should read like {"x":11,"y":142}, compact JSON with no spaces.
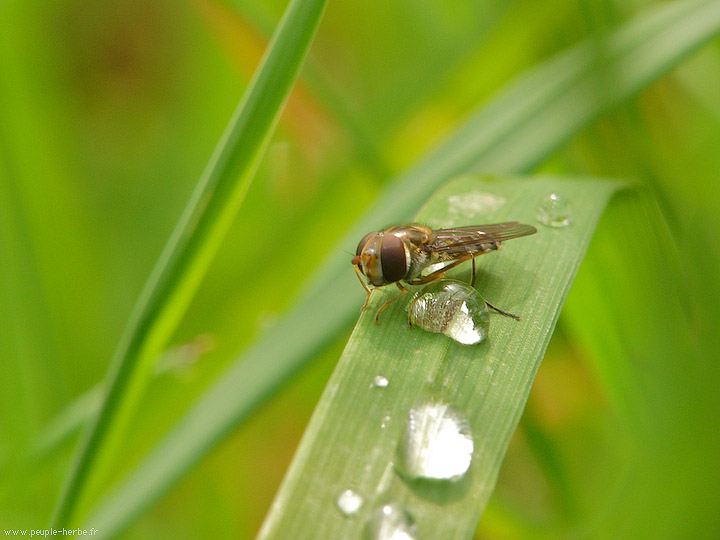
{"x":403,"y":290}
{"x":501,"y":312}
{"x":472,"y":284}
{"x":495,"y":246}
{"x":367,"y":299}
{"x":367,"y":289}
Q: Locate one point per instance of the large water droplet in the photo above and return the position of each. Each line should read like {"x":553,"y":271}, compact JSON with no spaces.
{"x":349,"y":502}
{"x":437,"y":443}
{"x":380,"y":381}
{"x":390,"y":522}
{"x":452,"y":308}
{"x":554,"y":211}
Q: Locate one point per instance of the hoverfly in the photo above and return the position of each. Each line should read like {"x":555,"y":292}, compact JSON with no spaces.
{"x":400,"y":254}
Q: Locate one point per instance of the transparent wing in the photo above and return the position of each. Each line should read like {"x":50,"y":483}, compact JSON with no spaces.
{"x":457,"y":241}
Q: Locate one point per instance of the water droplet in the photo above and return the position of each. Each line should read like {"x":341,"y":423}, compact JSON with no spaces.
{"x":452,"y":308}
{"x":380,"y":381}
{"x":390,"y":522}
{"x":437,"y":443}
{"x":349,"y":502}
{"x":385,"y":421}
{"x":554,"y":211}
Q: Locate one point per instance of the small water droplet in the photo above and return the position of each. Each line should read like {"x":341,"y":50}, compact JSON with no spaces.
{"x":554,"y":211}
{"x":385,"y":422}
{"x":437,"y":443}
{"x":452,"y":308}
{"x":349,"y":502}
{"x":390,"y":522}
{"x":380,"y":381}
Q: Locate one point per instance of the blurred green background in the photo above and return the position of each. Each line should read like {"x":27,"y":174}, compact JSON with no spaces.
{"x":108,"y":114}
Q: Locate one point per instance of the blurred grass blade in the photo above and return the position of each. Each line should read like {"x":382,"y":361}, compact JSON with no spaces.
{"x":84,"y":407}
{"x":69,"y":421}
{"x":191,"y":247}
{"x":512,"y":133}
{"x":22,"y":315}
{"x":630,"y":310}
{"x":346,"y":446}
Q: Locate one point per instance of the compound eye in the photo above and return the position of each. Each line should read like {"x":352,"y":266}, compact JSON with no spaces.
{"x":392,"y":258}
{"x":363,"y":242}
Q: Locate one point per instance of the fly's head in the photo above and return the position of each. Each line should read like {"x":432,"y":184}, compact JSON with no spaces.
{"x":382,"y":257}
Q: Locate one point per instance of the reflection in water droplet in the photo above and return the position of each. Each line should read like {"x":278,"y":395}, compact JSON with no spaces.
{"x":554,"y":211}
{"x":349,"y":502}
{"x":437,"y":443}
{"x":452,"y":308}
{"x":390,"y":522}
{"x":380,"y":381}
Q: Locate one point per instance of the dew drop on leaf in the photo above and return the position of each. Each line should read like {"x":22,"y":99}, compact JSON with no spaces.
{"x":437,"y":443}
{"x":349,"y":502}
{"x":554,"y":211}
{"x":452,"y":308}
{"x":390,"y":522}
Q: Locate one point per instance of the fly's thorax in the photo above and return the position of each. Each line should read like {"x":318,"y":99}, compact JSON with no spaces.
{"x":419,"y":260}
{"x":414,"y":234}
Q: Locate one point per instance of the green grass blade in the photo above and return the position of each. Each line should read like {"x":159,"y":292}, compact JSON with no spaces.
{"x":345,"y":446}
{"x":511,"y":133}
{"x":190,"y":248}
